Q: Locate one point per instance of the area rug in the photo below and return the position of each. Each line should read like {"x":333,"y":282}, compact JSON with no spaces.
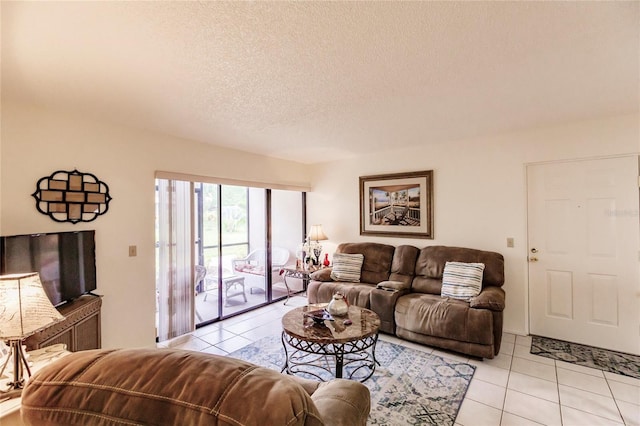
{"x":409,"y":387}
{"x":588,"y":356}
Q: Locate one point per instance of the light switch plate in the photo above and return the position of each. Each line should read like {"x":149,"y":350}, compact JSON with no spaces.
{"x":510,"y":242}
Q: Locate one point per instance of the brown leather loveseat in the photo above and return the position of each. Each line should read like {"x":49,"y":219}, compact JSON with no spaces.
{"x":178,"y":387}
{"x":403,"y":286}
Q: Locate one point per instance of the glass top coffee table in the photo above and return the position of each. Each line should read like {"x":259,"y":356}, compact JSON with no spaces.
{"x":327,"y":349}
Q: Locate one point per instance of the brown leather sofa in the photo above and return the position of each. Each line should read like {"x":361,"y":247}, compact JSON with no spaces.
{"x":177,"y":387}
{"x":412,"y":307}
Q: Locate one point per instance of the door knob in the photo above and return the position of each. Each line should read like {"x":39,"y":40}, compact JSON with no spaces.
{"x":534,"y":250}
{"x":533,"y":259}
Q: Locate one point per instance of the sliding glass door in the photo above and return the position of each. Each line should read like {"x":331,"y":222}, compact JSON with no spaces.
{"x":223,"y":240}
{"x":287,"y":235}
{"x":242,"y":238}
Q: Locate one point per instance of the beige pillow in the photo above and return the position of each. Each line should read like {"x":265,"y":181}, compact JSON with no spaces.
{"x":462,"y":280}
{"x":346,"y":267}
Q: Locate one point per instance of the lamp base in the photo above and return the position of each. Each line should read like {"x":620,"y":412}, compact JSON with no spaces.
{"x":317,"y":251}
{"x":19,"y":363}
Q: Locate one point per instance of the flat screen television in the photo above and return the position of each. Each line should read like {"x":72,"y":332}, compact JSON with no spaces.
{"x":66,"y":261}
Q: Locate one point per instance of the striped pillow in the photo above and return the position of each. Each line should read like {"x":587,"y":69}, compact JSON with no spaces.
{"x":462,"y":280}
{"x":346,"y":267}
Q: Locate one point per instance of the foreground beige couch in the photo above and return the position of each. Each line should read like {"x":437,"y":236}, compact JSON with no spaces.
{"x":176,"y":387}
{"x":414,"y":308}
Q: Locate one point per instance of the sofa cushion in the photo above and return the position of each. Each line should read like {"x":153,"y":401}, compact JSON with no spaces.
{"x":250,"y":269}
{"x":162,"y":386}
{"x":347,"y":267}
{"x":357,"y":294}
{"x":462,"y":280}
{"x":452,"y":319}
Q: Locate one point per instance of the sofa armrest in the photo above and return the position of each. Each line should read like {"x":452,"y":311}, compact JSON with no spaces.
{"x":491,"y":298}
{"x":342,"y":402}
{"x":393,"y":285}
{"x":383,"y":303}
{"x":323,"y":274}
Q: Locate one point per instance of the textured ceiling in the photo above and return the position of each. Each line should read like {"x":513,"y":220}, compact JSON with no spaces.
{"x":308,"y":81}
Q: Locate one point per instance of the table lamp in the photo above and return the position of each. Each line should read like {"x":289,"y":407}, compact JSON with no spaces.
{"x":24,"y":310}
{"x":317,"y":234}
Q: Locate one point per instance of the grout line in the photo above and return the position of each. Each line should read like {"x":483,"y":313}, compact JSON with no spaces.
{"x":555,"y":364}
{"x":523,"y":418}
{"x":588,"y":391}
{"x":506,"y":389}
{"x":615,"y":401}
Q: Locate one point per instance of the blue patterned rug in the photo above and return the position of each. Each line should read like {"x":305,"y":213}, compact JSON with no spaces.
{"x":588,"y":356}
{"x":409,"y":387}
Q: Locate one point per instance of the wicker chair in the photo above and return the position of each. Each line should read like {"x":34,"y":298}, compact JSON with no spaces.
{"x":252,"y":267}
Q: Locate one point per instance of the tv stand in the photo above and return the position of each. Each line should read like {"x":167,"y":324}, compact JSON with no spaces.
{"x":80,"y":330}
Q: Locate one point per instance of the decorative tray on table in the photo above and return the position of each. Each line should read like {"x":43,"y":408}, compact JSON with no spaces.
{"x":319,"y":316}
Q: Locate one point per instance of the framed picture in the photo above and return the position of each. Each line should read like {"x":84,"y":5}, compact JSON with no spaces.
{"x":398,"y":205}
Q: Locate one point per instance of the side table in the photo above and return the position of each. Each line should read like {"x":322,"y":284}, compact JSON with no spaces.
{"x":301,"y":274}
{"x":10,"y":408}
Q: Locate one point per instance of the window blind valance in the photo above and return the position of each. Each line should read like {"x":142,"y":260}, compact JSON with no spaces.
{"x":228,"y":181}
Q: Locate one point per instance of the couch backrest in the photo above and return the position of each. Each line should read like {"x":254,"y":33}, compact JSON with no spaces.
{"x":431,"y":260}
{"x":378,"y":257}
{"x":404,"y":263}
{"x":163,"y":386}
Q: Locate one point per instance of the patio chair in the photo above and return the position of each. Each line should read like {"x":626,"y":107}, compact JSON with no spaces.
{"x":253,"y":269}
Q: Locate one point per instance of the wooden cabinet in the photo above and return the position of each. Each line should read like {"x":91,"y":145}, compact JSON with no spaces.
{"x":80,"y":330}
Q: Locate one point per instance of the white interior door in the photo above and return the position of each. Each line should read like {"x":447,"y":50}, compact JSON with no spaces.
{"x":584,"y":252}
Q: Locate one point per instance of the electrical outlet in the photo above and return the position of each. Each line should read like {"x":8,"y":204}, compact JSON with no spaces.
{"x":133,"y":251}
{"x":510,"y":242}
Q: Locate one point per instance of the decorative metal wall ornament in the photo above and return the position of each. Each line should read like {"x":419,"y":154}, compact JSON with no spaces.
{"x":72,"y":196}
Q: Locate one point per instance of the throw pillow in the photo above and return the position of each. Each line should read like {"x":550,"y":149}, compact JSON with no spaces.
{"x":346,"y":267}
{"x":462,"y":280}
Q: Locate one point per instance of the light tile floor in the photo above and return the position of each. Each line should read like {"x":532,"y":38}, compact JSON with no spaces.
{"x":514,"y":388}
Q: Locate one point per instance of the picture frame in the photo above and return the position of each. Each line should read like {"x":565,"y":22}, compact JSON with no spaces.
{"x":397,"y":205}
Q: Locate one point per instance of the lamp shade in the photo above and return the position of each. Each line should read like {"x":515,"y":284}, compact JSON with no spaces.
{"x":24,"y":306}
{"x":316,"y":233}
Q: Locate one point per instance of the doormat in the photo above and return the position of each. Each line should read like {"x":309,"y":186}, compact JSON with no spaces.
{"x":409,"y":387}
{"x":588,"y":356}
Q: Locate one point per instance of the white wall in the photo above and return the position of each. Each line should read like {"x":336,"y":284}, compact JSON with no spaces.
{"x":479,"y":194}
{"x":36,"y":143}
{"x":479,"y":188}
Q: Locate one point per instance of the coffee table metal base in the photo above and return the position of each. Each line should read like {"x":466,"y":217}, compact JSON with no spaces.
{"x":356,"y":358}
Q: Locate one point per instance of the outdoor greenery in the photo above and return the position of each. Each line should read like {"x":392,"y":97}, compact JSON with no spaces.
{"x":235,"y":232}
